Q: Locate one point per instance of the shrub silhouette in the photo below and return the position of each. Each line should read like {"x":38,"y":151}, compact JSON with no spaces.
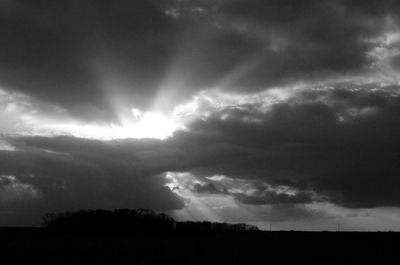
{"x":126,"y":221}
{"x":205,"y":227}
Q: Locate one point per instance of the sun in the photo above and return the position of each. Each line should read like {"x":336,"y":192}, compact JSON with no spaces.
{"x":137,"y":125}
{"x":150,"y":125}
{"x":140,"y":125}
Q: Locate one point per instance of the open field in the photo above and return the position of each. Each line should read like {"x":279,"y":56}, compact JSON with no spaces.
{"x":35,"y":244}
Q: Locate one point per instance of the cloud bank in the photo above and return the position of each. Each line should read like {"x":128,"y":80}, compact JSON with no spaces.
{"x":268,"y":110}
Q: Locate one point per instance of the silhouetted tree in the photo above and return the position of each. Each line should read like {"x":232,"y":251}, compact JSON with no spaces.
{"x":126,"y":221}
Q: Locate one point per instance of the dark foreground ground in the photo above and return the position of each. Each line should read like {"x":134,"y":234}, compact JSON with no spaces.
{"x":28,"y":245}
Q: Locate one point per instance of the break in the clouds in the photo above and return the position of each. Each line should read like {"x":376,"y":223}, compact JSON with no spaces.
{"x":257,"y":111}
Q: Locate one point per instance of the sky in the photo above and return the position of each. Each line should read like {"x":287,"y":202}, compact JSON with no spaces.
{"x":280,"y":113}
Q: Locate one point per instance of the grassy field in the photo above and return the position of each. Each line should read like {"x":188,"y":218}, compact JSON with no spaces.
{"x":27,"y":245}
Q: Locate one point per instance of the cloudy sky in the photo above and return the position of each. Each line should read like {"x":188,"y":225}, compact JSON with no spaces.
{"x":280,"y":112}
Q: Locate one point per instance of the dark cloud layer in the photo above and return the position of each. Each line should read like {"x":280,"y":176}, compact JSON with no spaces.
{"x":59,"y":51}
{"x":306,"y":39}
{"x":76,"y":53}
{"x":339,"y":146}
{"x":81,"y":174}
{"x":334,"y":140}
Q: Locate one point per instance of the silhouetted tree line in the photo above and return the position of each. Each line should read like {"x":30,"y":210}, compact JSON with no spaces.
{"x":127,"y":221}
{"x":204,"y":227}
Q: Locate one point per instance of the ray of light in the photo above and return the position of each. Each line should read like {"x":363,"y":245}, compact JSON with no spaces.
{"x":205,"y":207}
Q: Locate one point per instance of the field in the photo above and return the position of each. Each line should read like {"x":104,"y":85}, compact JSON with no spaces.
{"x":27,"y":245}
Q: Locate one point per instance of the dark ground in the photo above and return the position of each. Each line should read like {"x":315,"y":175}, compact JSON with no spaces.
{"x":28,"y":245}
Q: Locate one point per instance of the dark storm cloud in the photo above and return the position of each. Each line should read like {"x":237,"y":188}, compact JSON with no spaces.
{"x":334,"y":145}
{"x":310,"y":39}
{"x":338,"y":143}
{"x":53,"y":49}
{"x":396,"y":62}
{"x":76,"y":53}
{"x":82,"y":174}
{"x":302,"y":39}
{"x":341,"y":144}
